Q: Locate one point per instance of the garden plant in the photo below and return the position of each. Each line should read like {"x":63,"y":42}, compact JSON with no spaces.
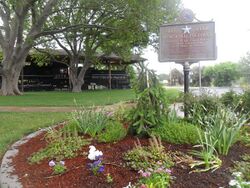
{"x":145,"y":144}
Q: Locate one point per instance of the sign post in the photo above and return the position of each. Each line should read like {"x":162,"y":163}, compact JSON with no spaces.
{"x":187,"y":43}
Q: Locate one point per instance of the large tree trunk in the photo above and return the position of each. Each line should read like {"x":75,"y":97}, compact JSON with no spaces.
{"x":10,"y":79}
{"x":76,"y":77}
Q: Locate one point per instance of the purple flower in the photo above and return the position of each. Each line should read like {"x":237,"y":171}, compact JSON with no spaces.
{"x":62,"y":163}
{"x":101,"y":169}
{"x":96,"y":163}
{"x":146,"y":174}
{"x":140,"y":171}
{"x":52,"y":163}
{"x":159,"y":170}
{"x":168,"y":171}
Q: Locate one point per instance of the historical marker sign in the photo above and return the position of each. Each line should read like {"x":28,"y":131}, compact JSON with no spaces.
{"x":189,"y":42}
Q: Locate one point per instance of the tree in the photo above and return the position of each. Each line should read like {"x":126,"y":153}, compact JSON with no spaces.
{"x":22,"y":23}
{"x":176,"y":77}
{"x":108,"y":27}
{"x":225,"y":73}
{"x":194,"y":76}
{"x":163,"y":77}
{"x":244,"y":68}
{"x":205,"y":76}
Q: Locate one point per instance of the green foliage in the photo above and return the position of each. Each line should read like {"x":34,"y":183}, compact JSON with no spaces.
{"x":113,"y":132}
{"x":59,"y":168}
{"x":238,"y":181}
{"x":194,"y":77}
{"x":58,"y":99}
{"x":244,"y":66}
{"x":243,"y":166}
{"x":223,"y":127}
{"x":151,"y":105}
{"x":198,"y":107}
{"x":230,"y":99}
{"x":177,"y":133}
{"x":142,"y":157}
{"x":40,"y":59}
{"x":156,"y":180}
{"x":223,"y":74}
{"x":176,"y":77}
{"x":207,"y":154}
{"x":15,"y":125}
{"x":245,"y":101}
{"x":244,"y":135}
{"x":90,"y":121}
{"x":163,"y":77}
{"x":61,"y":145}
{"x":239,"y":102}
{"x":109,"y":27}
{"x":109,"y":178}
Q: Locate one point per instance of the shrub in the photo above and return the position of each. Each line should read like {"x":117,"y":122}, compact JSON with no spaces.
{"x":223,"y":127}
{"x":90,"y":121}
{"x":157,"y":178}
{"x":243,"y":166}
{"x":200,"y":106}
{"x":114,"y":131}
{"x":206,"y":153}
{"x":61,"y":145}
{"x":151,"y":105}
{"x":245,"y":101}
{"x":230,"y":99}
{"x":177,"y":133}
{"x":244,"y":135}
{"x":143,"y":158}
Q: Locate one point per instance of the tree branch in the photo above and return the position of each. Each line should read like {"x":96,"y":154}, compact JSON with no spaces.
{"x":72,"y":27}
{"x":51,"y":56}
{"x":62,"y":46}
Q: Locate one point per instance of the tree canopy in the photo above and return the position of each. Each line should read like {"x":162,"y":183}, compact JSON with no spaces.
{"x":222,"y":74}
{"x":90,"y":22}
{"x":105,"y":27}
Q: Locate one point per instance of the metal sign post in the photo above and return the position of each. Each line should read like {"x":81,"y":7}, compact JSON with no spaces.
{"x":187,"y":42}
{"x":186,"y":70}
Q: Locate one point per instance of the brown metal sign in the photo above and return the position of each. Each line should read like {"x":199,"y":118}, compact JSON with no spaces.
{"x":190,"y":42}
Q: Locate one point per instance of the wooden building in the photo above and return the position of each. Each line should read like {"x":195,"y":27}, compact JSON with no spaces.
{"x":54,"y":75}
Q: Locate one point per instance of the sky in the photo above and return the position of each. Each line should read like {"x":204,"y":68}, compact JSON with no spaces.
{"x":232,"y":27}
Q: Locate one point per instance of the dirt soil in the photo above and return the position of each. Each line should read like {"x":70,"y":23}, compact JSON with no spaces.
{"x":79,"y":176}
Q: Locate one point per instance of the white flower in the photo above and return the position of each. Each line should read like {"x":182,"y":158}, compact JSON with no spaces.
{"x":52,"y":163}
{"x":91,"y":156}
{"x":128,"y":186}
{"x":62,"y":163}
{"x":98,"y":153}
{"x":233,"y":182}
{"x":93,"y":153}
{"x":237,"y":174}
{"x":92,"y":148}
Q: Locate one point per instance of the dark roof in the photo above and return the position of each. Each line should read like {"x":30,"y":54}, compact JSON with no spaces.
{"x":112,"y":58}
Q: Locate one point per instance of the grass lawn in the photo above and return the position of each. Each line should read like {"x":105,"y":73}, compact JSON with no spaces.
{"x":172,"y":95}
{"x":86,"y":98}
{"x":53,"y":98}
{"x":14,"y":126}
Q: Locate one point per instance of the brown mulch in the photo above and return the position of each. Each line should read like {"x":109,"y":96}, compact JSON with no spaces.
{"x":79,"y":176}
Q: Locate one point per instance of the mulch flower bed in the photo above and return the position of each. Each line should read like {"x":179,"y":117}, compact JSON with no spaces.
{"x":79,"y":176}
